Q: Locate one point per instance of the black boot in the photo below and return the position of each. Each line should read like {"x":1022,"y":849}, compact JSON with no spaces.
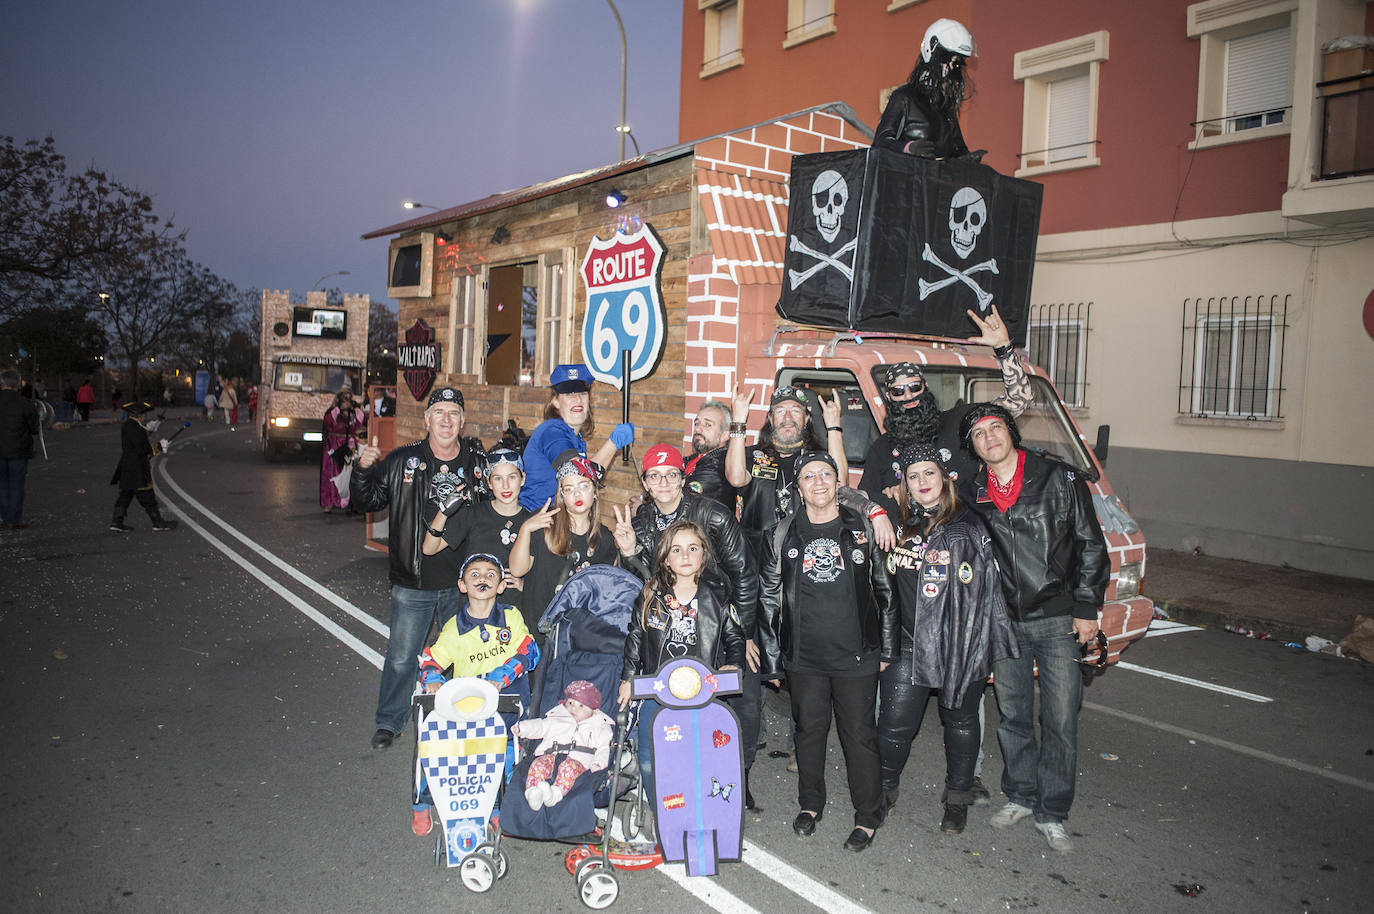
{"x":161,"y":523}
{"x":748,"y":794}
{"x":118,"y":525}
{"x":956,"y":817}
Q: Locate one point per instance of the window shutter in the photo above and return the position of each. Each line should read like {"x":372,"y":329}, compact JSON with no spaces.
{"x":1257,"y":73}
{"x":729,"y":33}
{"x":1068,"y":118}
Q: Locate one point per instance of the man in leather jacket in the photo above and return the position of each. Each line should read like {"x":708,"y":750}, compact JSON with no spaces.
{"x":412,"y":481}
{"x":827,"y":617}
{"x":706,"y":468}
{"x":663,"y":479}
{"x":1054,"y":570}
{"x":922,"y":116}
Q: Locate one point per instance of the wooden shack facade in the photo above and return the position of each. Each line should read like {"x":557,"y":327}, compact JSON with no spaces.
{"x":496,"y":282}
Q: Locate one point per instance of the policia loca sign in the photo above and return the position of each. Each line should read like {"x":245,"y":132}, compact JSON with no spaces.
{"x":878,"y":240}
{"x":418,"y":358}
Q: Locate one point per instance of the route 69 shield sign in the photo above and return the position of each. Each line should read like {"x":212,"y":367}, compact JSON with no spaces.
{"x":624,"y":305}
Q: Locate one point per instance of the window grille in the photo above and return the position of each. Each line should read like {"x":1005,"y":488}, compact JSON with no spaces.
{"x":1058,"y":343}
{"x":1231,"y":357}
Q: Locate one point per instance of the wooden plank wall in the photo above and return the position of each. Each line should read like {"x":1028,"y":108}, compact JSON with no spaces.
{"x":660,"y":195}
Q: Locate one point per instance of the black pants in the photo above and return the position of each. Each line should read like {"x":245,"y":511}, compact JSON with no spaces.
{"x":748,"y":707}
{"x":852,"y":700}
{"x":902,"y":707}
{"x":145,"y":498}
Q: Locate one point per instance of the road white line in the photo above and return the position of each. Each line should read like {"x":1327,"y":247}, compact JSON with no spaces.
{"x":320,"y":589}
{"x":1164,"y":627}
{"x":1234,"y":747}
{"x":707,"y":890}
{"x":305,"y":609}
{"x":793,"y":879}
{"x":1210,"y":686}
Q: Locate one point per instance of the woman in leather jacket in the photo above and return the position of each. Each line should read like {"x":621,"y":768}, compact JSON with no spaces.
{"x":954,"y":623}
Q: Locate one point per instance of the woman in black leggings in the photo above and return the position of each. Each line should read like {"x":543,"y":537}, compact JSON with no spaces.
{"x":954,"y":624}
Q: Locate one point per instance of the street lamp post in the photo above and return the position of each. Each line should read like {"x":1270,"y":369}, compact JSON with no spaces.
{"x":621,"y":128}
{"x":328,"y":276}
{"x":411,"y":204}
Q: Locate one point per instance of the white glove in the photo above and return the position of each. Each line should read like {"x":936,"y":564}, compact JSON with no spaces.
{"x":165,"y":444}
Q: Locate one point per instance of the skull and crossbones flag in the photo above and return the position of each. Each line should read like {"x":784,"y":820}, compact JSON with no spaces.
{"x":932,"y":240}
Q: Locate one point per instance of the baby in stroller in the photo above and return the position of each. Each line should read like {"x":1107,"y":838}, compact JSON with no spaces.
{"x":578,"y":732}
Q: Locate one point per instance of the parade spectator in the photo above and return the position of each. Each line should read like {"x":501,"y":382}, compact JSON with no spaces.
{"x":115,"y":396}
{"x":1054,"y":571}
{"x":85,"y":399}
{"x":827,"y":619}
{"x":253,"y":403}
{"x":491,"y":526}
{"x":18,"y":425}
{"x":706,"y":470}
{"x":228,"y":401}
{"x":638,"y":536}
{"x":341,"y":425}
{"x":567,"y":418}
{"x":412,"y":481}
{"x":953,"y":626}
{"x":134,"y":475}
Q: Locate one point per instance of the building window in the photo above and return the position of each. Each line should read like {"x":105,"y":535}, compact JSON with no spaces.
{"x":525,"y":320}
{"x":1244,"y":69}
{"x":554,"y":336}
{"x":808,"y":20}
{"x":412,"y":266}
{"x":1060,"y":98}
{"x":723,"y":47}
{"x":1233,"y":357}
{"x":462,"y":321}
{"x":1058,"y":342}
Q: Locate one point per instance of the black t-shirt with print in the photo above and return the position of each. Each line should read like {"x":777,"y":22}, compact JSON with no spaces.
{"x":481,"y":529}
{"x":546,"y":572}
{"x":441,"y":570}
{"x":678,"y":622}
{"x":829,"y":640}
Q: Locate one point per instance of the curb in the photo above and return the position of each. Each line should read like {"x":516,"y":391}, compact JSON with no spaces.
{"x":1264,"y":629}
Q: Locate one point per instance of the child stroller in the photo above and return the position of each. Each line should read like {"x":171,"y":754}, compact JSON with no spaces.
{"x":586,"y":625}
{"x":461,"y":744}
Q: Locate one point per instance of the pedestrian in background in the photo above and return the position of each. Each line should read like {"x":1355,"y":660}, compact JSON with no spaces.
{"x":228,"y":401}
{"x":85,"y":399}
{"x":134,"y":475}
{"x":342,"y":421}
{"x":18,"y":425}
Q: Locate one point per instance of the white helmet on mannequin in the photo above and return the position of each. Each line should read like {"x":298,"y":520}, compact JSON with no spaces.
{"x":948,"y":34}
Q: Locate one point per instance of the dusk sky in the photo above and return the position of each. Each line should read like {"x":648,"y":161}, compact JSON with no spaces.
{"x":278,"y":132}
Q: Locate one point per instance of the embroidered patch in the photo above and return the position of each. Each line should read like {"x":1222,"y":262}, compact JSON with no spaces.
{"x":860,"y":537}
{"x":694,"y":486}
{"x":858,"y":556}
{"x":672,"y":734}
{"x":965,"y":572}
{"x":503,"y":636}
{"x":934,"y":571}
{"x":930,"y":588}
{"x":944,"y":556}
{"x":674,"y":801}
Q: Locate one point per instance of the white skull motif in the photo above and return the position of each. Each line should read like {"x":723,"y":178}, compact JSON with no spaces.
{"x":967,"y":216}
{"x":829,"y":194}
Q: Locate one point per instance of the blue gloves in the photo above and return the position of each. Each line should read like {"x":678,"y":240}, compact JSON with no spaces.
{"x":623,"y":435}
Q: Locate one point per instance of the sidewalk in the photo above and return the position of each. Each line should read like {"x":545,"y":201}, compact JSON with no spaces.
{"x":1288,"y":603}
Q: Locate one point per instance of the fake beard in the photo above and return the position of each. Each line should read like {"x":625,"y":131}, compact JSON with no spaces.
{"x":916,"y":423}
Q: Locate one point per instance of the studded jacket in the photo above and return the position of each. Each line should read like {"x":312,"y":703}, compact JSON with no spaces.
{"x":720,"y":639}
{"x":1049,"y":544}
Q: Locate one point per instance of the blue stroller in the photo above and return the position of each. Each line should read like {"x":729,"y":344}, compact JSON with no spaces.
{"x":586,"y":625}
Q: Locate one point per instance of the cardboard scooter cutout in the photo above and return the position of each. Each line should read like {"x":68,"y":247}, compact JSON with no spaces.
{"x":698,"y":764}
{"x":462,"y":752}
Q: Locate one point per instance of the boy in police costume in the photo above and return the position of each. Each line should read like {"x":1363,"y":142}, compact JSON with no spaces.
{"x":485,"y":639}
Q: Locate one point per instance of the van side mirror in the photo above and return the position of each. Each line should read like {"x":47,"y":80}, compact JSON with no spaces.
{"x":1104,"y":436}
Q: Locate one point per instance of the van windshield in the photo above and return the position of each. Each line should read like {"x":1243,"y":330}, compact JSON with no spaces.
{"x":1044,"y":425}
{"x":310,"y":378}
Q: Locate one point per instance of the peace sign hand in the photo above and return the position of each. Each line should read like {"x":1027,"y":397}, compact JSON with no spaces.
{"x":625,"y":539}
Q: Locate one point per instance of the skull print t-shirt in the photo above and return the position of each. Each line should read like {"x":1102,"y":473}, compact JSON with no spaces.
{"x":678,"y":623}
{"x":829,"y":640}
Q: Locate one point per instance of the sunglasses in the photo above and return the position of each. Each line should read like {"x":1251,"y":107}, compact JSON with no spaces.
{"x":1092,"y":664}
{"x":915,"y":387}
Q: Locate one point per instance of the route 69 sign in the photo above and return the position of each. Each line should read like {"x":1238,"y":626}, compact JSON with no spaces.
{"x":624,"y":305}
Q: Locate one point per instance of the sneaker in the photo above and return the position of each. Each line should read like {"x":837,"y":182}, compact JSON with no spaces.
{"x":955,"y":818}
{"x":1009,"y":815}
{"x":420,"y":822}
{"x":164,"y":524}
{"x":981,"y":796}
{"x":1055,"y":835}
{"x":118,"y":526}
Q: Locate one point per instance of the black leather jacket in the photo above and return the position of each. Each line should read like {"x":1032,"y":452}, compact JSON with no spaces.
{"x":874,"y":608}
{"x":720,"y":639}
{"x":909,"y":118}
{"x":1049,"y":544}
{"x":403,"y":481}
{"x":729,"y":551}
{"x":953,"y":615}
{"x":706,"y":476}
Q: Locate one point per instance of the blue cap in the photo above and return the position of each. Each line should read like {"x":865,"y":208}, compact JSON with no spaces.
{"x":482,"y":557}
{"x":571,"y":379}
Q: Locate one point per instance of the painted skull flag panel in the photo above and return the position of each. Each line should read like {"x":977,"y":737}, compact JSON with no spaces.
{"x":933,"y":240}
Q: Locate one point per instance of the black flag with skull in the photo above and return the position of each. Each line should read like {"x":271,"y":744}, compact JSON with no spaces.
{"x":822,"y":236}
{"x":931,"y":240}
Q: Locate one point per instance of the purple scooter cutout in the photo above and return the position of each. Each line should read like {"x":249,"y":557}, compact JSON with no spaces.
{"x":698,"y":764}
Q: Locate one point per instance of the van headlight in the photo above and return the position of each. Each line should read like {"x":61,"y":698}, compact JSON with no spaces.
{"x":281,"y":422}
{"x":1128,"y":580}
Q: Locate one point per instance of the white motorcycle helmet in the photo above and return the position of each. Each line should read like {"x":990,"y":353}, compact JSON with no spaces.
{"x":948,"y":34}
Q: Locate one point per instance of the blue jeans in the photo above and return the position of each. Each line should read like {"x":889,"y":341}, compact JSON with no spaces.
{"x":13,"y":471}
{"x":644,"y":734}
{"x":412,"y":611}
{"x":1040,"y":777}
